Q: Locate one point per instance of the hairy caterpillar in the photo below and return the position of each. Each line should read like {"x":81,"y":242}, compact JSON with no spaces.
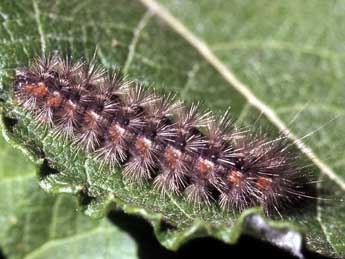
{"x":155,"y":138}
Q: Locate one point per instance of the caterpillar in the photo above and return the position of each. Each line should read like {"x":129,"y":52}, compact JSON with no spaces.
{"x":203,"y":157}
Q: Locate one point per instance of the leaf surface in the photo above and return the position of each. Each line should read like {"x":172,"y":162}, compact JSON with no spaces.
{"x":267,"y":58}
{"x":34,"y":224}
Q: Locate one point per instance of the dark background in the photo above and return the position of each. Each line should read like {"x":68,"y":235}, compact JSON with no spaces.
{"x":149,"y":247}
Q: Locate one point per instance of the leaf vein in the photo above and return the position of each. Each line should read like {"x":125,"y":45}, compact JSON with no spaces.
{"x":39,"y":26}
{"x":50,"y":243}
{"x":136,"y":35}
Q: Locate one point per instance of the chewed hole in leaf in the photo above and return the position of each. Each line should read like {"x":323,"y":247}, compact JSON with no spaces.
{"x":46,"y":169}
{"x":84,"y":197}
{"x":9,"y":123}
{"x":166,"y":226}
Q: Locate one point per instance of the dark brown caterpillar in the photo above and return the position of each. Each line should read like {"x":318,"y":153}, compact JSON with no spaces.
{"x":157,"y":138}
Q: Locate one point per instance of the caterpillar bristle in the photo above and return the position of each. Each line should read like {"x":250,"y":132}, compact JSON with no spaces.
{"x":184,"y":151}
{"x":198,"y":195}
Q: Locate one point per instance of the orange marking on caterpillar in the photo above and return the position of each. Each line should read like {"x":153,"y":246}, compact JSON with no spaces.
{"x":116,"y":133}
{"x":54,"y":101}
{"x":143,"y":146}
{"x":235,"y":177}
{"x":204,"y":166}
{"x":37,"y":90}
{"x":263,"y":183}
{"x":172,"y":156}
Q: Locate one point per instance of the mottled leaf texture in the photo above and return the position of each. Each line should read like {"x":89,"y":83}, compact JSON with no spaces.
{"x":279,"y":64}
{"x":34,"y":224}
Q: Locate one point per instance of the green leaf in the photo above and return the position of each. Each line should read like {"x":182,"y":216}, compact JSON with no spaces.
{"x":279,"y":59}
{"x":34,"y":224}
